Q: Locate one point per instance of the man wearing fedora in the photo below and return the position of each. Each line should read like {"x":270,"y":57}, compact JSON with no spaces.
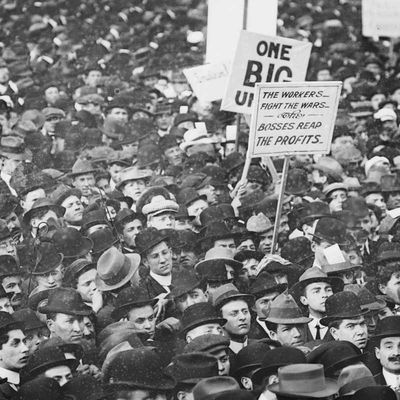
{"x":234,"y":307}
{"x":11,"y":279}
{"x":13,"y":355}
{"x":345,"y":319}
{"x":285,"y":321}
{"x":217,"y":235}
{"x":312,"y":291}
{"x":83,"y":179}
{"x":387,"y":350}
{"x":128,"y":224}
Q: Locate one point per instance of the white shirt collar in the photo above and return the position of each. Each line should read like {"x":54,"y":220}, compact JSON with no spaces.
{"x":237,"y":346}
{"x":12,"y":376}
{"x":163,"y":280}
{"x":392,"y":380}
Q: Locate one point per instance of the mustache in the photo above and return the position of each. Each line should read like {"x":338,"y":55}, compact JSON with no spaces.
{"x":394,"y":358}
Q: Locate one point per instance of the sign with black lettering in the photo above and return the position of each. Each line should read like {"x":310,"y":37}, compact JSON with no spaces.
{"x":293,"y":118}
{"x":261,"y":59}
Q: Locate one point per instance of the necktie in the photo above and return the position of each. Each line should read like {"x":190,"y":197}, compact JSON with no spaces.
{"x":318,"y":332}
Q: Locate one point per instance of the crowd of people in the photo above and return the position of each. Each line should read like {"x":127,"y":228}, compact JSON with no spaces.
{"x":137,"y":264}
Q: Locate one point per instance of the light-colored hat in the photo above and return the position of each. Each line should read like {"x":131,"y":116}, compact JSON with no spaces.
{"x":132,"y":174}
{"x":259,"y":223}
{"x":385,"y":114}
{"x":196,"y":136}
{"x":158,"y":205}
{"x":373,"y":161}
{"x":334,"y":186}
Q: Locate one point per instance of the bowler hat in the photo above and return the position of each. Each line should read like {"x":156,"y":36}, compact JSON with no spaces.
{"x":131,"y":297}
{"x":82,"y":167}
{"x":8,"y":266}
{"x":369,"y":301}
{"x":315,"y":275}
{"x":77,"y":268}
{"x":304,"y":380}
{"x":127,"y":215}
{"x":29,"y":318}
{"x":8,"y":323}
{"x":214,"y":272}
{"x":386,"y":327}
{"x":298,"y":251}
{"x":191,"y":368}
{"x":65,"y":301}
{"x":189,"y":195}
{"x":237,"y":394}
{"x":38,"y":297}
{"x":342,"y":305}
{"x":43,"y":359}
{"x":41,"y":388}
{"x":276,"y":358}
{"x":284,"y":310}
{"x":115,"y":269}
{"x":208,"y":343}
{"x":68,"y":348}
{"x":297,"y":182}
{"x":148,"y":238}
{"x":250,"y":358}
{"x":184,"y":282}
{"x":374,"y":392}
{"x":354,"y":377}
{"x":331,"y":230}
{"x":335,"y":355}
{"x":265,"y":283}
{"x":218,"y":254}
{"x":216,"y":231}
{"x":357,"y":206}
{"x":209,"y":388}
{"x":199,"y":314}
{"x":92,"y":218}
{"x":388,"y":251}
{"x":139,"y":368}
{"x":229,"y":292}
{"x":83,"y":387}
{"x":102,"y":240}
{"x":62,"y":192}
{"x":47,"y":260}
{"x":41,"y":205}
{"x":309,"y":212}
{"x":232,"y":161}
{"x":70,"y":243}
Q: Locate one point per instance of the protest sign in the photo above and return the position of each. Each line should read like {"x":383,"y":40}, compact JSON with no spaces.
{"x":293,"y":117}
{"x":262,"y":58}
{"x":226,"y":18}
{"x":208,"y":81}
{"x":381,"y":18}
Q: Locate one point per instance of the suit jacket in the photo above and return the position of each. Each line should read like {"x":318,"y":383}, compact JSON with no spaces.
{"x":7,"y":392}
{"x":309,"y":337}
{"x":152,"y":287}
{"x":256,"y":331}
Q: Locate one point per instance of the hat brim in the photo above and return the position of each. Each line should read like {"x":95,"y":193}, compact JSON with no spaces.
{"x":391,"y":333}
{"x":336,"y":283}
{"x":237,"y":265}
{"x":122,"y":310}
{"x":60,"y":211}
{"x":195,"y":324}
{"x":331,"y":388}
{"x":248,"y":298}
{"x":73,"y":175}
{"x":72,"y":363}
{"x":35,"y":299}
{"x":50,"y":310}
{"x":134,"y":260}
{"x":165,"y":383}
{"x":289,"y":321}
{"x":137,"y":178}
{"x":185,"y":145}
{"x":279,"y":287}
{"x":327,"y":320}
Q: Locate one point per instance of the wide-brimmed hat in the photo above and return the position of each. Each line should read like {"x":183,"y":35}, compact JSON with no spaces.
{"x":335,"y":355}
{"x":199,"y":314}
{"x":331,"y":230}
{"x":284,"y":310}
{"x":313,"y":275}
{"x":45,"y":358}
{"x":62,"y":192}
{"x":250,"y":357}
{"x":115,"y":269}
{"x":353,"y":378}
{"x":220,"y":254}
{"x":13,"y":147}
{"x":208,"y":343}
{"x":188,"y":195}
{"x":70,"y":242}
{"x":191,"y":368}
{"x":264,"y":284}
{"x":342,"y":305}
{"x":387,"y":327}
{"x":209,"y":388}
{"x":65,"y":301}
{"x":139,"y":368}
{"x":148,"y":238}
{"x":196,"y":136}
{"x":216,"y":231}
{"x":8,"y":323}
{"x":184,"y":282}
{"x":131,"y":297}
{"x":102,"y":240}
{"x":309,"y":212}
{"x":47,"y":260}
{"x":388,"y":251}
{"x":94,"y":217}
{"x":304,"y":380}
{"x":229,"y":292}
{"x":133,"y":174}
{"x":159,"y":205}
{"x":82,"y":167}
{"x":29,"y":318}
{"x":43,"y":204}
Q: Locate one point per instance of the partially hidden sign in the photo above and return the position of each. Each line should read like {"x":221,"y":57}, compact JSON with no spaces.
{"x":293,"y":118}
{"x":381,"y":18}
{"x":261,"y":58}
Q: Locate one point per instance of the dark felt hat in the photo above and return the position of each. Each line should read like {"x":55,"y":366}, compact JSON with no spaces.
{"x":215,"y":255}
{"x":148,"y":238}
{"x":237,"y":394}
{"x":8,"y":323}
{"x":330,"y":230}
{"x":216,"y":231}
{"x":298,"y":251}
{"x":47,"y":260}
{"x":388,"y":251}
{"x":209,"y":388}
{"x":138,"y":368}
{"x":66,"y":347}
{"x":83,"y":387}
{"x":191,"y":368}
{"x":43,"y":359}
{"x":229,"y":292}
{"x":184,"y":282}
{"x":127,"y":215}
{"x":199,"y":314}
{"x":297,"y":182}
{"x":62,"y":192}
{"x":29,"y":318}
{"x":309,"y":212}
{"x":41,"y":205}
{"x":335,"y":355}
{"x":8,"y":266}
{"x":93,"y":217}
{"x":4,"y":231}
{"x":102,"y":240}
{"x":41,"y":388}
{"x":342,"y":305}
{"x":131,"y":297}
{"x":38,"y":297}
{"x":70,"y":242}
{"x":233,"y":161}
{"x":250,"y":357}
{"x":265,"y":283}
{"x":82,"y":167}
{"x":386,"y":327}
{"x":214,"y":271}
{"x":373,"y":393}
{"x":65,"y":301}
{"x":209,"y":343}
{"x":188,"y":195}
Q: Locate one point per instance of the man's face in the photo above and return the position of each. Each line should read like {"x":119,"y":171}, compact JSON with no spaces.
{"x":143,"y":319}
{"x":85,"y":183}
{"x":73,"y":209}
{"x":249,"y":270}
{"x":225,"y":243}
{"x":14,"y":353}
{"x":353,"y":330}
{"x":316,"y":295}
{"x":164,"y":121}
{"x":52,"y":95}
{"x":289,"y":335}
{"x":13,"y":223}
{"x":159,"y":259}
{"x":51,"y":280}
{"x":50,"y":123}
{"x":188,"y":258}
{"x":8,"y":246}
{"x":86,"y":285}
{"x":211,"y":194}
{"x":378,"y":200}
{"x":265,"y":245}
{"x":196,"y":295}
{"x":69,"y":328}
{"x":92,"y":108}
{"x":224,"y":364}
{"x":118,"y":114}
{"x":393,"y":200}
{"x":34,"y":337}
{"x":392,"y":287}
{"x":93,"y":77}
{"x":165,"y":220}
{"x":183,"y":224}
{"x":61,"y":374}
{"x":5,"y":305}
{"x":12,"y":284}
{"x":337,"y":198}
{"x":114,"y":170}
{"x":263,"y":303}
{"x":130,"y":231}
{"x":138,"y":394}
{"x":134,"y":189}
{"x":174,"y":155}
{"x":238,"y":317}
{"x":4,"y":75}
{"x":388,"y":353}
{"x":247,"y":245}
{"x":31,"y":197}
{"x":211,"y":328}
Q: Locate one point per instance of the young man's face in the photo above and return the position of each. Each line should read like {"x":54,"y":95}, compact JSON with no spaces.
{"x":289,"y":335}
{"x":14,"y":353}
{"x":337,"y":198}
{"x":8,"y":247}
{"x":130,"y":231}
{"x":5,"y":305}
{"x":174,"y":155}
{"x":265,"y":245}
{"x":353,"y":330}
{"x":86,"y":285}
{"x":225,"y":243}
{"x":13,"y":223}
{"x":388,"y":353}
{"x":164,"y":220}
{"x":51,"y":95}
{"x":34,"y":337}
{"x":315,"y":296}
{"x":238,"y":317}
{"x":134,"y":188}
{"x":164,"y":121}
{"x":392,"y":287}
{"x":85,"y":183}
{"x":118,"y":114}
{"x":143,"y":319}
{"x":247,"y":245}
{"x":73,"y":209}
{"x":12,"y":284}
{"x":61,"y":374}
{"x":263,"y":303}
{"x":196,"y":295}
{"x":51,"y":280}
{"x":211,"y":328}
{"x":31,"y":197}
{"x":67,"y":327}
{"x":159,"y":259}
{"x":224,"y":364}
{"x":93,"y":77}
